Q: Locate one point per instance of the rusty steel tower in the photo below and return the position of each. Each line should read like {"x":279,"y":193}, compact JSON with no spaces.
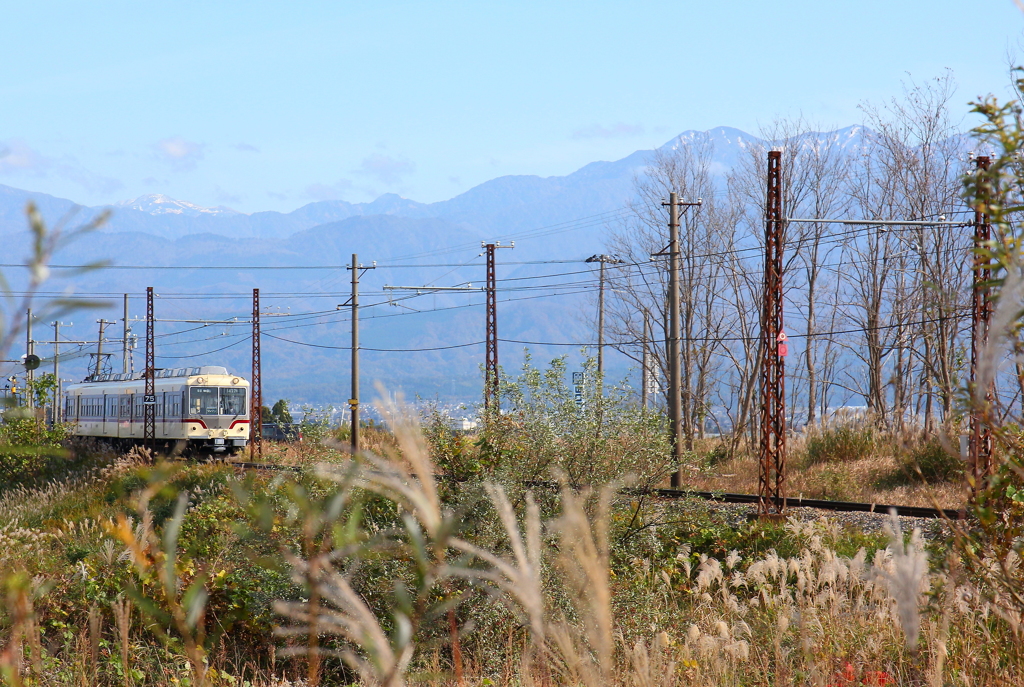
{"x":149,"y":399}
{"x":256,"y":396}
{"x":980,"y":448}
{"x":772,"y":478}
{"x":491,"y":354}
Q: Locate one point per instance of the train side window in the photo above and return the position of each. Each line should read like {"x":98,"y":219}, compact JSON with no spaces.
{"x":112,"y":407}
{"x":138,"y":406}
{"x":176,"y":399}
{"x":126,"y":408}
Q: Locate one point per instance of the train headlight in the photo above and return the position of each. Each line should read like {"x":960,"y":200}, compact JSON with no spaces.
{"x":235,"y":380}
{"x":200,"y":380}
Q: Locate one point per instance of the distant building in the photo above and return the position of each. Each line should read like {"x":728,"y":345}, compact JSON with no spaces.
{"x":462,"y":425}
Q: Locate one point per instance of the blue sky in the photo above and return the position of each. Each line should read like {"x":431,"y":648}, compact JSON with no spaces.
{"x":269,"y":106}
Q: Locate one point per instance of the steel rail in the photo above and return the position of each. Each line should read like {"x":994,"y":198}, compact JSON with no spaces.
{"x":819,"y":504}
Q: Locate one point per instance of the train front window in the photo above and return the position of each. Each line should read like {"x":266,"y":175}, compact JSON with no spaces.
{"x":232,"y":401}
{"x":203,"y":400}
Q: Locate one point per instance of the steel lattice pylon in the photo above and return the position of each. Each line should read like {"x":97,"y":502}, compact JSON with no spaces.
{"x":491,"y":355}
{"x":980,"y":457}
{"x":772,"y":478}
{"x":256,"y":396}
{"x":149,"y":400}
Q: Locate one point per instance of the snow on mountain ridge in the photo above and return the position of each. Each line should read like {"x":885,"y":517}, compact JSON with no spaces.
{"x":160,"y":204}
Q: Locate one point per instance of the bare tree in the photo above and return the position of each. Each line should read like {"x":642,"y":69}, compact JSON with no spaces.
{"x":919,"y":157}
{"x":640,"y":294}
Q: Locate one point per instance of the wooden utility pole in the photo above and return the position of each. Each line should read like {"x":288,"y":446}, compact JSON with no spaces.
{"x":124,"y":338}
{"x":57,"y":400}
{"x":603,"y":260}
{"x":30,"y":373}
{"x":672,"y":344}
{"x":675,"y":419}
{"x":353,"y":402}
{"x":645,"y":379}
{"x":99,"y":348}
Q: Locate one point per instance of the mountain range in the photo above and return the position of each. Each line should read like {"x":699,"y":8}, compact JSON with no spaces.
{"x":551,"y":220}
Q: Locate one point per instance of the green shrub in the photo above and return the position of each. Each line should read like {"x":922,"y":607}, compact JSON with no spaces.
{"x":933,"y":462}
{"x":832,"y":485}
{"x":718,"y":455}
{"x":842,"y":443}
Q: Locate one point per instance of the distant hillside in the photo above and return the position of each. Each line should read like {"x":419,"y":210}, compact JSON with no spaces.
{"x":550,"y":219}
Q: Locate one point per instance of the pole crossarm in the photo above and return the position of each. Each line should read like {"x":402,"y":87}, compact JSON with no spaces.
{"x":876,"y":222}
{"x":468,"y":287}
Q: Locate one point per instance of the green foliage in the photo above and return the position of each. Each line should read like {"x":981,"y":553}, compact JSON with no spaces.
{"x":659,"y":531}
{"x":544,"y":430}
{"x":43,"y":388}
{"x":315,"y":424}
{"x":998,"y":191}
{"x":30,"y":452}
{"x":280,"y":413}
{"x":832,"y":485}
{"x":840,"y":443}
{"x":718,"y":455}
{"x":456,"y":455}
{"x":933,"y":462}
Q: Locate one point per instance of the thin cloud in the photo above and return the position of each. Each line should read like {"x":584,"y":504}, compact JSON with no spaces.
{"x":180,"y":154}
{"x":335,"y":191}
{"x":223,"y":196}
{"x":17,"y":157}
{"x":386,"y":169}
{"x":620,"y":130}
{"x":246,"y":148}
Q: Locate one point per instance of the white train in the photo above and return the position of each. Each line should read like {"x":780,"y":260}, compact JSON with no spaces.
{"x":199,"y":410}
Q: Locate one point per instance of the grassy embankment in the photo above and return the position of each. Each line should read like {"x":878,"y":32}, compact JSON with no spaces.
{"x":572,"y":590}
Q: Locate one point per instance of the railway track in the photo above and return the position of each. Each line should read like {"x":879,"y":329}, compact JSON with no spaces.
{"x":819,"y":504}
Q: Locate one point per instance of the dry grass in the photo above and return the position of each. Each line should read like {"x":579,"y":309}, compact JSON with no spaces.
{"x":880,"y":477}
